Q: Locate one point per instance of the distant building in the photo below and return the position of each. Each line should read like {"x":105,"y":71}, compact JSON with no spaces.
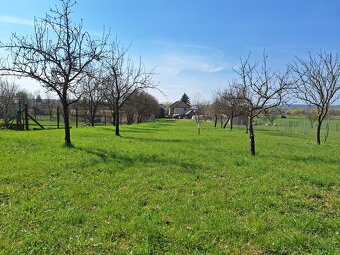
{"x":179,"y":108}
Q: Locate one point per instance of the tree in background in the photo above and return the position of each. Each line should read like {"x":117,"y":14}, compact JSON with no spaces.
{"x":92,"y":92}
{"x":260,"y":89}
{"x":56,"y":55}
{"x":312,"y":115}
{"x":271,"y":114}
{"x":317,"y":83}
{"x":228,"y":103}
{"x":8,"y":90}
{"x":141,"y":107}
{"x":185,"y":99}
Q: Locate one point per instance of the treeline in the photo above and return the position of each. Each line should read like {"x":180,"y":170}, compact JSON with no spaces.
{"x":141,"y":106}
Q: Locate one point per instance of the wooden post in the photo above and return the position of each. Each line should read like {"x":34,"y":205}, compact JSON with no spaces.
{"x":76,"y":118}
{"x":26,"y":117}
{"x":58,"y":117}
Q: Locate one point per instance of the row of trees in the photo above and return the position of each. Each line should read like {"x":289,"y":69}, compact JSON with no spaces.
{"x":64,"y":59}
{"x":260,"y":91}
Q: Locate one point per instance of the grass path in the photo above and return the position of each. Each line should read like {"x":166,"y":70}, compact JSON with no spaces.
{"x":162,"y":189}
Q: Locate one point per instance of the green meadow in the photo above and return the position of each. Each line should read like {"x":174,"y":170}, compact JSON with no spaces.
{"x":161,"y":188}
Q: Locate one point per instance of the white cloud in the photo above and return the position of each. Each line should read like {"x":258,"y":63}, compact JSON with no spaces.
{"x":16,"y":20}
{"x":187,"y":68}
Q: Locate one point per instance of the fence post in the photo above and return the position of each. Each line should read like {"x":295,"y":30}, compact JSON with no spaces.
{"x":58,"y":117}
{"x":26,"y":117}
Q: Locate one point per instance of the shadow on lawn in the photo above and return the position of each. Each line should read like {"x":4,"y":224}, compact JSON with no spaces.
{"x":134,"y":160}
{"x":156,"y":140}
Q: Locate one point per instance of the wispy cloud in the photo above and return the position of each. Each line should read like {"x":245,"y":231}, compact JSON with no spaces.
{"x":176,"y":59}
{"x":189,"y":68}
{"x":16,"y":20}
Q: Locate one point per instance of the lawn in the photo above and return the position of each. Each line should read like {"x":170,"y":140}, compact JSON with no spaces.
{"x":162,"y":189}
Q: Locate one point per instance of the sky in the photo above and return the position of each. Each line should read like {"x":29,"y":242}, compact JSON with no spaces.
{"x":194,"y":45}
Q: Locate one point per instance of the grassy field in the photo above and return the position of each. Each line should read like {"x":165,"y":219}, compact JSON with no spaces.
{"x":162,"y":189}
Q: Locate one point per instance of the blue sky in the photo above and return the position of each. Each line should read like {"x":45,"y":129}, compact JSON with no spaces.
{"x":194,"y":44}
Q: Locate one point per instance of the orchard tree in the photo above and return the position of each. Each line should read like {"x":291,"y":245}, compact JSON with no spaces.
{"x":260,"y":89}
{"x":93,"y":94}
{"x":122,"y":79}
{"x":317,"y":83}
{"x":56,"y":55}
{"x":229,"y":103}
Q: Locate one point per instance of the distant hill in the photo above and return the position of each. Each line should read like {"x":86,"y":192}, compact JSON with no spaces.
{"x":304,"y":106}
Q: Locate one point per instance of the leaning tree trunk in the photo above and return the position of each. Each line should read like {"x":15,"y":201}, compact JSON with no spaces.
{"x":251,"y":135}
{"x":231,"y":120}
{"x":67,"y":125}
{"x":226,"y":123}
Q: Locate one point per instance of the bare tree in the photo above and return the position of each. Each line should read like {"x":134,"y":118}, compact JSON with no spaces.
{"x":260,"y":89}
{"x":318,"y":83}
{"x":271,"y":114}
{"x":229,"y":103}
{"x":8,"y":90}
{"x":56,"y":55}
{"x":122,"y":80}
{"x":93,"y":94}
{"x":312,"y":115}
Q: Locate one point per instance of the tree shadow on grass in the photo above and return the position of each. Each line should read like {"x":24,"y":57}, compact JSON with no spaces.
{"x":135,"y":160}
{"x":157,"y":140}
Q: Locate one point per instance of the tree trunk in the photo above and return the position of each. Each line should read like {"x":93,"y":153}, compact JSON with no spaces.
{"x":92,"y":117}
{"x":231,"y":121}
{"x":117,"y":122}
{"x":215,"y":120}
{"x":251,"y":135}
{"x":226,"y":123}
{"x":67,"y":125}
{"x":318,"y":131}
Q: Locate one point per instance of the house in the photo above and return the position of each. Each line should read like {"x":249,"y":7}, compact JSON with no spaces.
{"x":179,"y":108}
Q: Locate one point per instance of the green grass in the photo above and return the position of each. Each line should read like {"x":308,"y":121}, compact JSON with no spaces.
{"x":163,"y":189}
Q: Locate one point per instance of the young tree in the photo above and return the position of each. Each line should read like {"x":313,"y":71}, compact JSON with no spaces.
{"x":185,"y":99}
{"x":271,"y":115}
{"x":122,"y":80}
{"x":317,"y":83}
{"x":260,"y":89}
{"x":56,"y":55}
